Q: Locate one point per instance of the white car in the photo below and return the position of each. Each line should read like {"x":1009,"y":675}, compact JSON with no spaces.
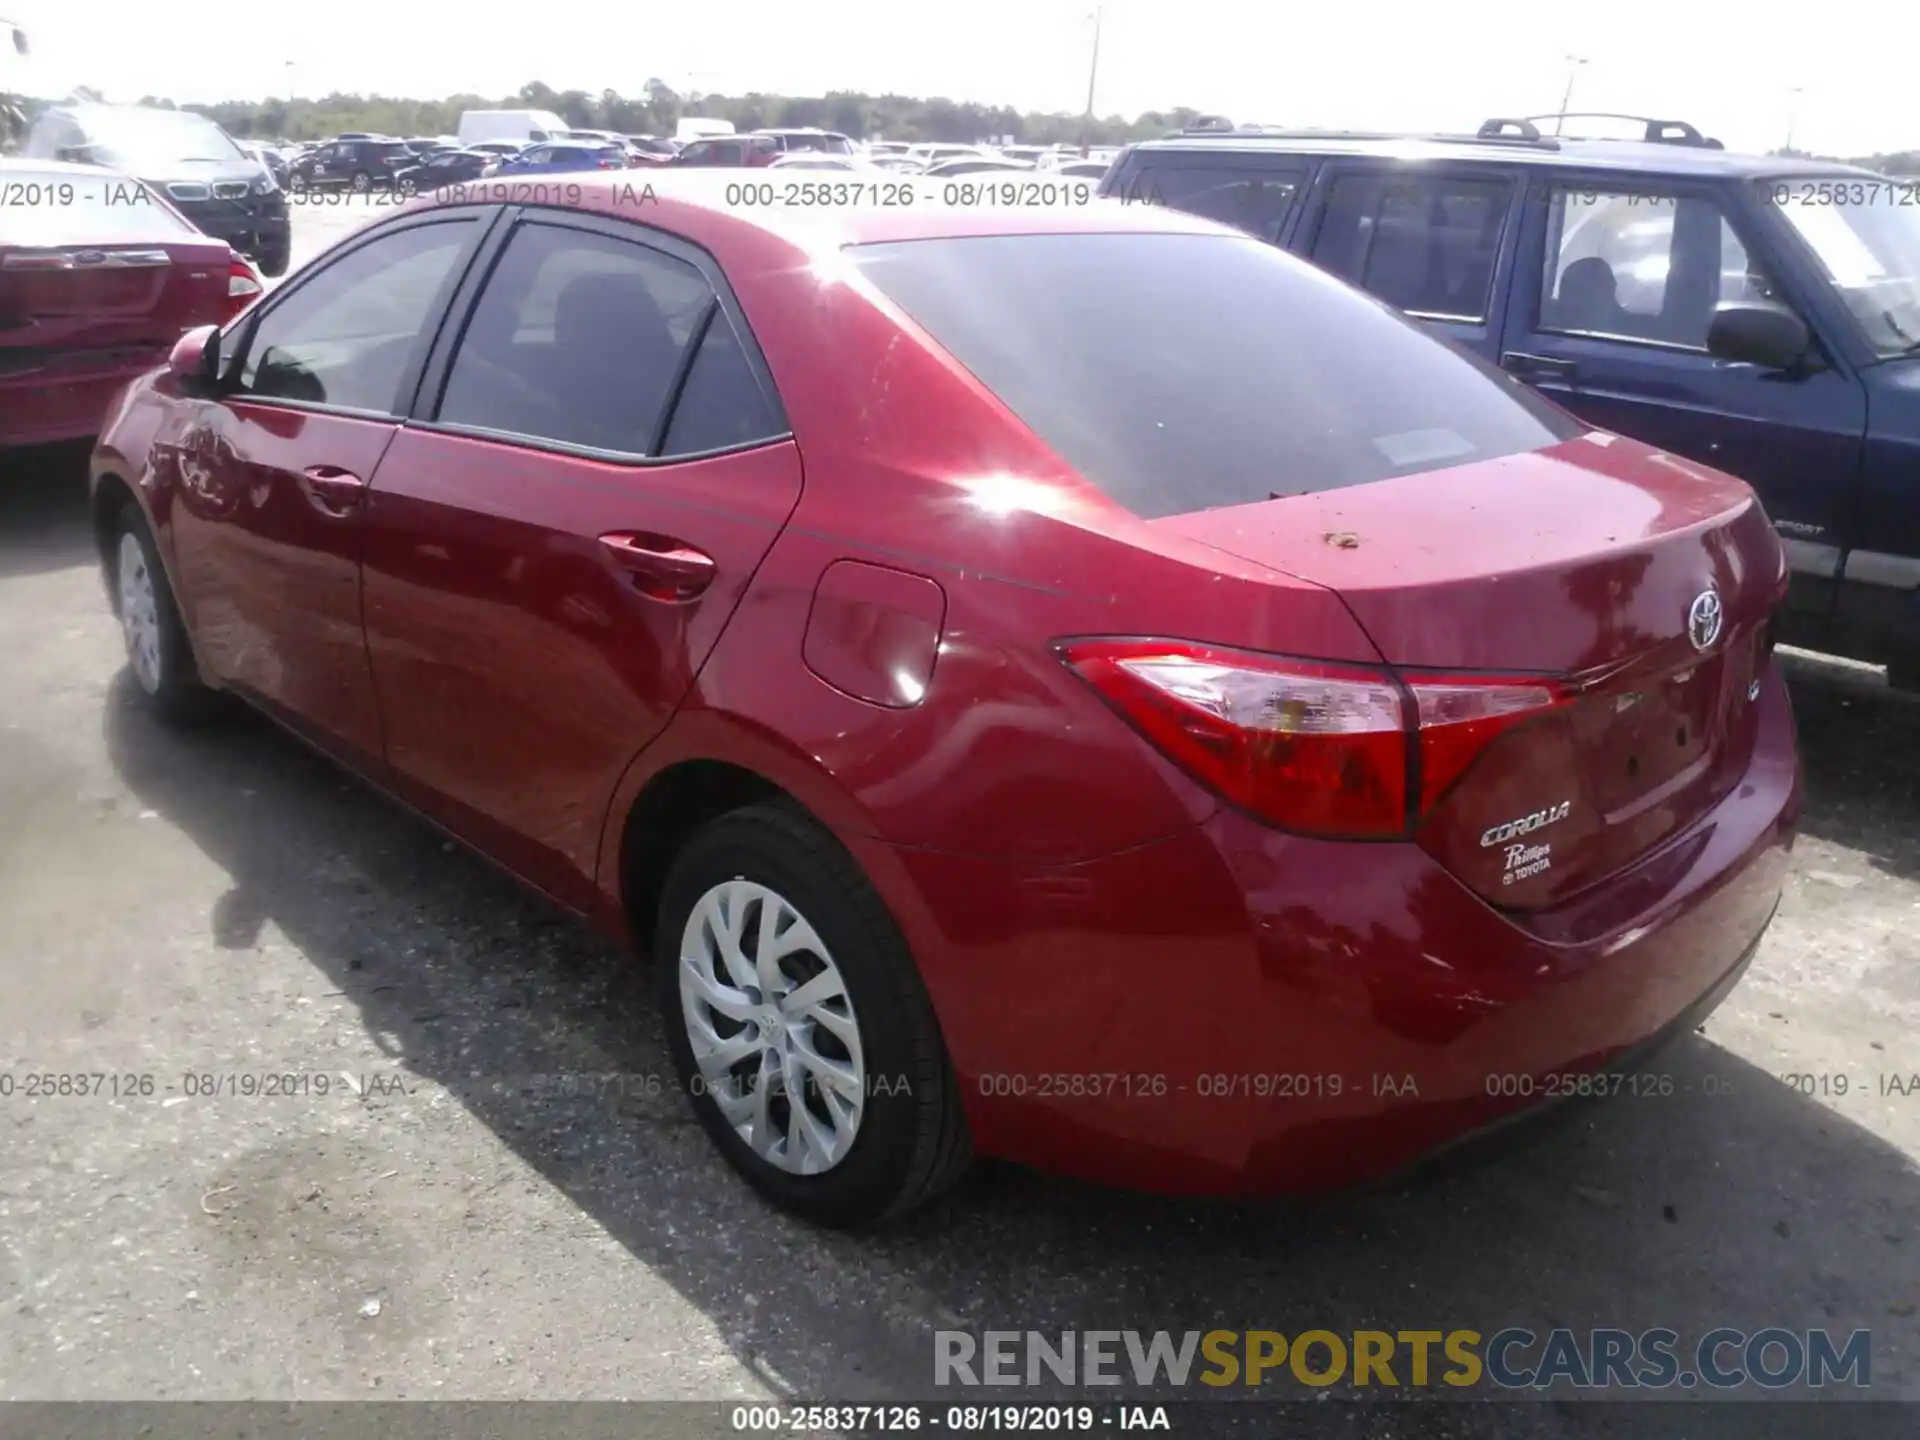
{"x":930,"y":155}
{"x":978,"y":165}
{"x":814,"y":160}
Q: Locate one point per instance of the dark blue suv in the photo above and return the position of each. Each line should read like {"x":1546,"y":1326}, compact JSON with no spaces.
{"x":1759,"y":314}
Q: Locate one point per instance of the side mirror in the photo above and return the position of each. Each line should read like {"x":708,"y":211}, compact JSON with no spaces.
{"x":1759,"y":333}
{"x":194,"y":362}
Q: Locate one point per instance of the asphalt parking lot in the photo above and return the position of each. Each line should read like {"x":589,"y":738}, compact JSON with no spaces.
{"x":467,"y":1212}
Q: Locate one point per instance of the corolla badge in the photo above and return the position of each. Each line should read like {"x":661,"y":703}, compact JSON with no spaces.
{"x":1527,"y":824}
{"x":1704,"y":618}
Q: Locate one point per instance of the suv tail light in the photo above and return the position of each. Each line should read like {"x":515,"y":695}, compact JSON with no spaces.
{"x":1349,"y":752}
{"x":243,"y":286}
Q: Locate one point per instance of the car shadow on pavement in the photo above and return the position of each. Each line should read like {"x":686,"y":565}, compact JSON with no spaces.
{"x":43,"y":510}
{"x":1731,"y":1199}
{"x":1860,"y":751}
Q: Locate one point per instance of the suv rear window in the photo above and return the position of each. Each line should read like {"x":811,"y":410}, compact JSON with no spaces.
{"x":1186,"y":372}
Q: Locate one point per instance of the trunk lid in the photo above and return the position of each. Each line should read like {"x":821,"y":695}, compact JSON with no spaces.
{"x":1599,"y":562}
{"x":98,"y":272}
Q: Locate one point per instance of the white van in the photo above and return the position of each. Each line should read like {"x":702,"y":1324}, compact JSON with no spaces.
{"x":701,"y":129}
{"x":527,"y":126}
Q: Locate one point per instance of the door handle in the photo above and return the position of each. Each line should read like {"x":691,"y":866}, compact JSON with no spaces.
{"x":1538,"y":367}
{"x":331,"y":489}
{"x":662,"y":567}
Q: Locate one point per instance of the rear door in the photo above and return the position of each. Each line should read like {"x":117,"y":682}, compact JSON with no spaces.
{"x":1616,"y":286}
{"x":555,"y":541}
{"x":1435,"y":240}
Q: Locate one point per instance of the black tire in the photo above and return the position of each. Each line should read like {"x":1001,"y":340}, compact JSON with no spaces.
{"x":912,"y":1142}
{"x":361,"y":183}
{"x":172,"y":689}
{"x":273,"y":260}
{"x":1904,"y":673}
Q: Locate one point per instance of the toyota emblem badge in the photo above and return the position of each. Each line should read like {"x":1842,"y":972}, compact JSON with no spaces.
{"x":1703,"y":620}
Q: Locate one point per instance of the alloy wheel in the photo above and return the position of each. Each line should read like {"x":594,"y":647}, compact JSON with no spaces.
{"x":139,"y":614}
{"x":772,"y":1027}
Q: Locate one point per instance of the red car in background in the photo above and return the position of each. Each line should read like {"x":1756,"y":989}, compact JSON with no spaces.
{"x":99,"y":276}
{"x":1080,"y":686}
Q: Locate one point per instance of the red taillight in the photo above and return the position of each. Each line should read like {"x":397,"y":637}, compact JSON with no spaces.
{"x":1460,"y":715}
{"x":243,"y":286}
{"x":1314,"y":747}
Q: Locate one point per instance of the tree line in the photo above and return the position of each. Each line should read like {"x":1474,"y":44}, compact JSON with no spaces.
{"x":659,"y":108}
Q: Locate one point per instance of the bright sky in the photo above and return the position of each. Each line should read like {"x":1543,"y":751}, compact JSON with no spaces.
{"x":1383,"y":65}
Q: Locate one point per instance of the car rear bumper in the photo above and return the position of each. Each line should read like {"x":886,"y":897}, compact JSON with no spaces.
{"x":47,"y":410}
{"x":1233,"y":1009}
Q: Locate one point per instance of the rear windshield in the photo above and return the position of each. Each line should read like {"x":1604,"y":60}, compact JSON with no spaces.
{"x":1186,"y":372}
{"x":62,"y":208}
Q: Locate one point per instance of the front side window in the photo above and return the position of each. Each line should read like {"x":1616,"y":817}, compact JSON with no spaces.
{"x":1865,"y":237}
{"x":344,"y":337}
{"x":1634,"y":266}
{"x":1231,"y":374}
{"x":578,"y":338}
{"x":1427,"y":243}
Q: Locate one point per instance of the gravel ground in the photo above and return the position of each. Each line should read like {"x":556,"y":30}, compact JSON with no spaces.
{"x":457,"y":1218}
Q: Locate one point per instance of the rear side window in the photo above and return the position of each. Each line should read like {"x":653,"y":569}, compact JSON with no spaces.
{"x":1185,"y":372}
{"x":577,"y":338}
{"x":1256,"y":201}
{"x":722,"y":404}
{"x":1426,"y":243}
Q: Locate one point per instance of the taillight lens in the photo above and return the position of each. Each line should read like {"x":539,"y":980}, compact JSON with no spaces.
{"x":1319,"y":748}
{"x":243,"y":286}
{"x":1461,"y":715}
{"x":1348,"y":752}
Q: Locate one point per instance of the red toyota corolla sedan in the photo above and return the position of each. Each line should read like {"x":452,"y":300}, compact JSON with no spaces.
{"x":1083,"y":687}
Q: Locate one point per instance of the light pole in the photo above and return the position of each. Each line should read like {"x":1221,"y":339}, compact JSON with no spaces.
{"x":1574,"y":62}
{"x":1093,"y":77}
{"x":1793,"y":116}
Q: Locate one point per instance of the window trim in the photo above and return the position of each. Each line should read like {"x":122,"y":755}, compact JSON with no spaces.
{"x":431,"y":390}
{"x":1493,"y":312}
{"x":480,"y":219}
{"x":1551,"y":187}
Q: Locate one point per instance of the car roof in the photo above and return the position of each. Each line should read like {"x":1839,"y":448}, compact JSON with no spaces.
{"x":1628,"y":155}
{"x":692,"y":203}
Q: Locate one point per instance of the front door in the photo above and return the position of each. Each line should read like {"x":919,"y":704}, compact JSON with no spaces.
{"x":551,"y":549}
{"x":1612,"y":299}
{"x":273,"y":471}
